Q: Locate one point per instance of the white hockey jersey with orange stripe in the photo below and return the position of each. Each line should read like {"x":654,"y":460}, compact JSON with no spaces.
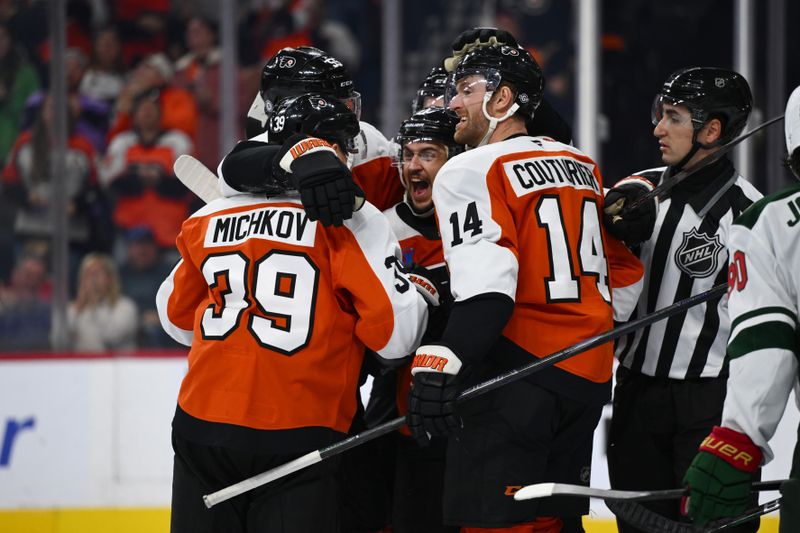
{"x":278,"y":309}
{"x":523,"y":218}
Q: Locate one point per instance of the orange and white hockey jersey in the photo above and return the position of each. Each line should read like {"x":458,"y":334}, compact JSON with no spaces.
{"x":523,"y":218}
{"x":277,"y":310}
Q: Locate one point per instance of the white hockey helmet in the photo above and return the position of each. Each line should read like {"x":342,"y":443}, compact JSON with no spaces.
{"x":792,"y":121}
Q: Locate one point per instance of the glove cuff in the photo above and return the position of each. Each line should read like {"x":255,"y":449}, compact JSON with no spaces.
{"x":299,"y":145}
{"x":435,"y":358}
{"x":426,"y":288}
{"x":637,"y":181}
{"x":734,"y":448}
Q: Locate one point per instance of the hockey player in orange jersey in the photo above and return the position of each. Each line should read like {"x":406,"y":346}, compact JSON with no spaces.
{"x":530,"y":270}
{"x":278,"y":310}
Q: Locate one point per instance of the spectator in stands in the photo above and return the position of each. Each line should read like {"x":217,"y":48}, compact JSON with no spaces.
{"x":93,"y":115}
{"x":101,"y":318}
{"x":18,"y":80}
{"x":178,"y":110}
{"x":27,"y":186}
{"x":199,"y":72}
{"x":143,"y":27}
{"x":138,"y":170}
{"x":25,"y":307}
{"x":105,"y":76}
{"x":142,"y":271}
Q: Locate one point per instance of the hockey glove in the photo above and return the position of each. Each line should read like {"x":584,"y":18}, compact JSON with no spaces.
{"x":434,"y":389}
{"x":436,"y":291}
{"x":468,"y":40}
{"x":425,"y":284}
{"x":632,"y":226}
{"x":720,"y":475}
{"x":326,"y":186}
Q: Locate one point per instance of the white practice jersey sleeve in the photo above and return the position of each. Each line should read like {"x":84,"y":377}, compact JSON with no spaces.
{"x":764,"y":278}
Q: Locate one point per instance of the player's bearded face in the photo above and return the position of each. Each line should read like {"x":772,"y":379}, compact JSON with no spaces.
{"x":421,"y":162}
{"x":468,"y":105}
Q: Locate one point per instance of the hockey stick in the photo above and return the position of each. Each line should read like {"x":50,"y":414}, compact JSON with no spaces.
{"x":664,"y":187}
{"x":197,"y":178}
{"x":544,"y":490}
{"x":648,"y":521}
{"x":476,"y":390}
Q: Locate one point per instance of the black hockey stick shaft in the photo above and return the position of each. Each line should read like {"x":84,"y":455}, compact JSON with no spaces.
{"x":756,"y":486}
{"x":635,"y":514}
{"x":476,"y":390}
{"x":666,"y":185}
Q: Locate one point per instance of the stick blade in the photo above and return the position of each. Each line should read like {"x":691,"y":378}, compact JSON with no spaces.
{"x":531,"y":492}
{"x":197,"y":178}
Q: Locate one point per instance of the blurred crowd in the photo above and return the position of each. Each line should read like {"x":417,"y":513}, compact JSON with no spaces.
{"x":142,"y":79}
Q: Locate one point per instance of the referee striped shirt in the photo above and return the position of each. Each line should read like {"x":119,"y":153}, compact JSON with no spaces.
{"x":687,"y":255}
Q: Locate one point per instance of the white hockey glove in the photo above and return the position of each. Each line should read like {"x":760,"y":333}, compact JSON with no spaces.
{"x":469,"y":40}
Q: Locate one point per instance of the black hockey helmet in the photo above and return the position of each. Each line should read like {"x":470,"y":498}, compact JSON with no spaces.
{"x":317,"y":115}
{"x":431,"y":89}
{"x":510,"y":65}
{"x":432,"y":124}
{"x":708,"y":92}
{"x":305,"y":69}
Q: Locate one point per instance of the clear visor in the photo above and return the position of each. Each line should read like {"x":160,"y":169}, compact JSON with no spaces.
{"x":471,"y":82}
{"x":353,"y":103}
{"x":426,"y":154}
{"x":674,"y":110}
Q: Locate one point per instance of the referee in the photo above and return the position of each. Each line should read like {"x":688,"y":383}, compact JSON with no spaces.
{"x":672,"y":375}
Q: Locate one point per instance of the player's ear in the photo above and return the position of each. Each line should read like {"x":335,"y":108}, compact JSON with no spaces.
{"x":711,"y":131}
{"x":341,"y":154}
{"x":503,"y":98}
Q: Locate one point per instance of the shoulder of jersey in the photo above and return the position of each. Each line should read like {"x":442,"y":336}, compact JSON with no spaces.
{"x":762,"y":208}
{"x":372,"y":144}
{"x":481,"y":158}
{"x":240,"y":200}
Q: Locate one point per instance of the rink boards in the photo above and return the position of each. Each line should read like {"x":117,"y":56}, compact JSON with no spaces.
{"x":85,"y":444}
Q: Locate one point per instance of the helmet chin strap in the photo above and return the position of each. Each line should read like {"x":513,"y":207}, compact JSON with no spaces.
{"x":493,"y":122}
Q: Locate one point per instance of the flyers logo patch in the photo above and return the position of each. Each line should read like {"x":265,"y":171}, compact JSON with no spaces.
{"x":512,"y":489}
{"x":698,"y":254}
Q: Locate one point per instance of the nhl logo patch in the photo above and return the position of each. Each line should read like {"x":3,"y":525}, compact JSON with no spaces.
{"x":698,"y":254}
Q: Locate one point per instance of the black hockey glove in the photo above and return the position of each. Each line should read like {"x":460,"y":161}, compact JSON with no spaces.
{"x":435,"y":386}
{"x":473,"y":38}
{"x":427,"y":285}
{"x":326,"y":186}
{"x":632,"y":226}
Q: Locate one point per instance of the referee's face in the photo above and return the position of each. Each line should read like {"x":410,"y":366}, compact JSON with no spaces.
{"x":674,"y":133}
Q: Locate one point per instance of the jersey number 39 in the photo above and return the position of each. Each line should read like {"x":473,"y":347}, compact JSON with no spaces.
{"x":284,"y":289}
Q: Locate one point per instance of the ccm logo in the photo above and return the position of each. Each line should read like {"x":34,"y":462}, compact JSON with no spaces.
{"x":435,"y":362}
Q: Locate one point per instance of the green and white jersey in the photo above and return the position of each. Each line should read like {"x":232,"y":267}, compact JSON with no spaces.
{"x":764,"y":298}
